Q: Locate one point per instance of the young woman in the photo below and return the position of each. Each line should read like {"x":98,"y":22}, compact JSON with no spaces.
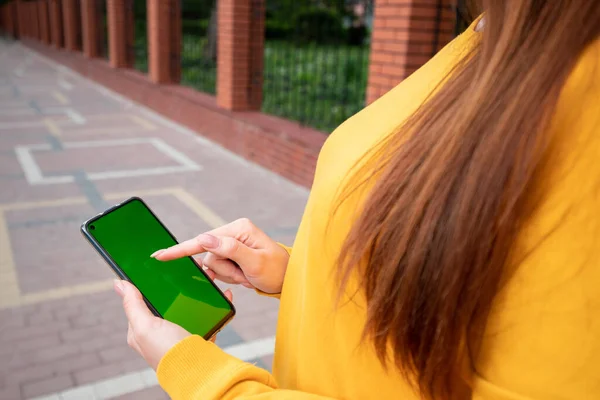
{"x":450,"y":248}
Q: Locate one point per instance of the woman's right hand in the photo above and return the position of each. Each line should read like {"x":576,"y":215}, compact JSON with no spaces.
{"x":238,"y":253}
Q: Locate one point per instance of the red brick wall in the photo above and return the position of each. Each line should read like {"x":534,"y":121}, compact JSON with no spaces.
{"x":240,"y":54}
{"x":406,"y":33}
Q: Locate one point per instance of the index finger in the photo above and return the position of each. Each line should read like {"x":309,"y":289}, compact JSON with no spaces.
{"x":184,"y":249}
{"x":196,"y":245}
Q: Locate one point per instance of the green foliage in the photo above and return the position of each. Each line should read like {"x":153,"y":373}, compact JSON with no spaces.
{"x":197,"y":27}
{"x":275,"y":29}
{"x":197,"y":71}
{"x":139,"y":9}
{"x":319,"y":25}
{"x":140,"y":46}
{"x":316,"y":85}
{"x":196,"y":9}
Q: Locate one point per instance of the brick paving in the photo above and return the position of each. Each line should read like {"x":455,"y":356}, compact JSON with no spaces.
{"x":69,"y":148}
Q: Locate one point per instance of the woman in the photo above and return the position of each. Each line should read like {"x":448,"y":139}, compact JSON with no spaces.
{"x":458,"y":257}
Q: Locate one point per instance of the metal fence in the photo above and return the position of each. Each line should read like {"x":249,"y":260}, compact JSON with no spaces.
{"x":102,"y":28}
{"x":199,"y":45}
{"x":78,"y":25}
{"x":140,"y":35}
{"x":316,"y":60}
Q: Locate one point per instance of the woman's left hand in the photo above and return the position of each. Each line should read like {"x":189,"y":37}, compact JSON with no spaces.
{"x":149,"y":335}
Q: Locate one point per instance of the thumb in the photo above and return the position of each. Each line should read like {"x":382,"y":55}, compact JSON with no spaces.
{"x":136,"y":310}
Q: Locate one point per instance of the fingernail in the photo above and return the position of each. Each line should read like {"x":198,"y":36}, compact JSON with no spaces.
{"x":209,"y":241}
{"x":119,"y":287}
{"x":157,"y":252}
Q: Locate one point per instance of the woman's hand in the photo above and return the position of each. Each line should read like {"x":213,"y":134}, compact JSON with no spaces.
{"x":238,"y":253}
{"x":149,"y":335}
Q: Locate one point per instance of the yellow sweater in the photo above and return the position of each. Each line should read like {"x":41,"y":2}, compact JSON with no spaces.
{"x":543,"y":335}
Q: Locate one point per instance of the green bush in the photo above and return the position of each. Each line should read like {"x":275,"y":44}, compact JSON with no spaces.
{"x":320,"y":26}
{"x":197,"y":27}
{"x":357,"y":35}
{"x":196,"y":9}
{"x":275,"y":29}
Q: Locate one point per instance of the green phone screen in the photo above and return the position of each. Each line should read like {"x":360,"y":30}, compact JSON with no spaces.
{"x":177,"y":289}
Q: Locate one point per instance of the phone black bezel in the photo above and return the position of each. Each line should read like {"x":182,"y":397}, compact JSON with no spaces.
{"x":121,"y":274}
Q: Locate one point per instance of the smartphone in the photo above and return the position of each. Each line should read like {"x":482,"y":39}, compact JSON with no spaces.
{"x":179,"y":291}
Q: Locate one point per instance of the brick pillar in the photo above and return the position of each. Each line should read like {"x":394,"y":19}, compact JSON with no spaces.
{"x":91,"y":23}
{"x":164,"y":40}
{"x":56,"y":23}
{"x":120,"y":33}
{"x":240,"y":48}
{"x":72,"y":24}
{"x":4,"y":20}
{"x":13,"y":18}
{"x":406,"y":34}
{"x":35,"y":23}
{"x":23,"y":11}
{"x":44,"y":22}
{"x":26,"y":19}
{"x":19,"y":11}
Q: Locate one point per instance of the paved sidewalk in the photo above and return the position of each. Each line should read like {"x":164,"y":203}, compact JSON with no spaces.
{"x":68,"y":149}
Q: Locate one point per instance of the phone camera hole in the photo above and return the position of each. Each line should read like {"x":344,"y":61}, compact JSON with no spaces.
{"x":92,"y":227}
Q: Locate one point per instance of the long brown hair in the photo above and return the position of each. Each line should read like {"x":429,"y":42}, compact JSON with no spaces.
{"x":433,"y":238}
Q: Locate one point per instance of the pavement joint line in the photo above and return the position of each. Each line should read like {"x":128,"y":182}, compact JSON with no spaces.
{"x":64,"y":84}
{"x":142,"y":122}
{"x":10,"y":293}
{"x":168,"y":123}
{"x":146,"y":378}
{"x":75,"y":116}
{"x":34,"y":106}
{"x":61,"y":98}
{"x":176,"y":155}
{"x":42,"y":222}
{"x":90,"y":191}
{"x":53,"y":127}
{"x":34,"y":175}
{"x":11,"y":296}
{"x":54,"y":143}
{"x":94,"y":131}
{"x":72,"y":115}
{"x":25,"y":111}
{"x":19,"y":125}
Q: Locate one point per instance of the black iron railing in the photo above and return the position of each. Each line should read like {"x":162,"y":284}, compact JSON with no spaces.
{"x":140,"y":35}
{"x":316,"y":60}
{"x":102,"y":27}
{"x":199,"y":45}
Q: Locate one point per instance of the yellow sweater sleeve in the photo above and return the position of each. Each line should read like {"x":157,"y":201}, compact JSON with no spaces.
{"x":275,"y":295}
{"x":200,"y":370}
